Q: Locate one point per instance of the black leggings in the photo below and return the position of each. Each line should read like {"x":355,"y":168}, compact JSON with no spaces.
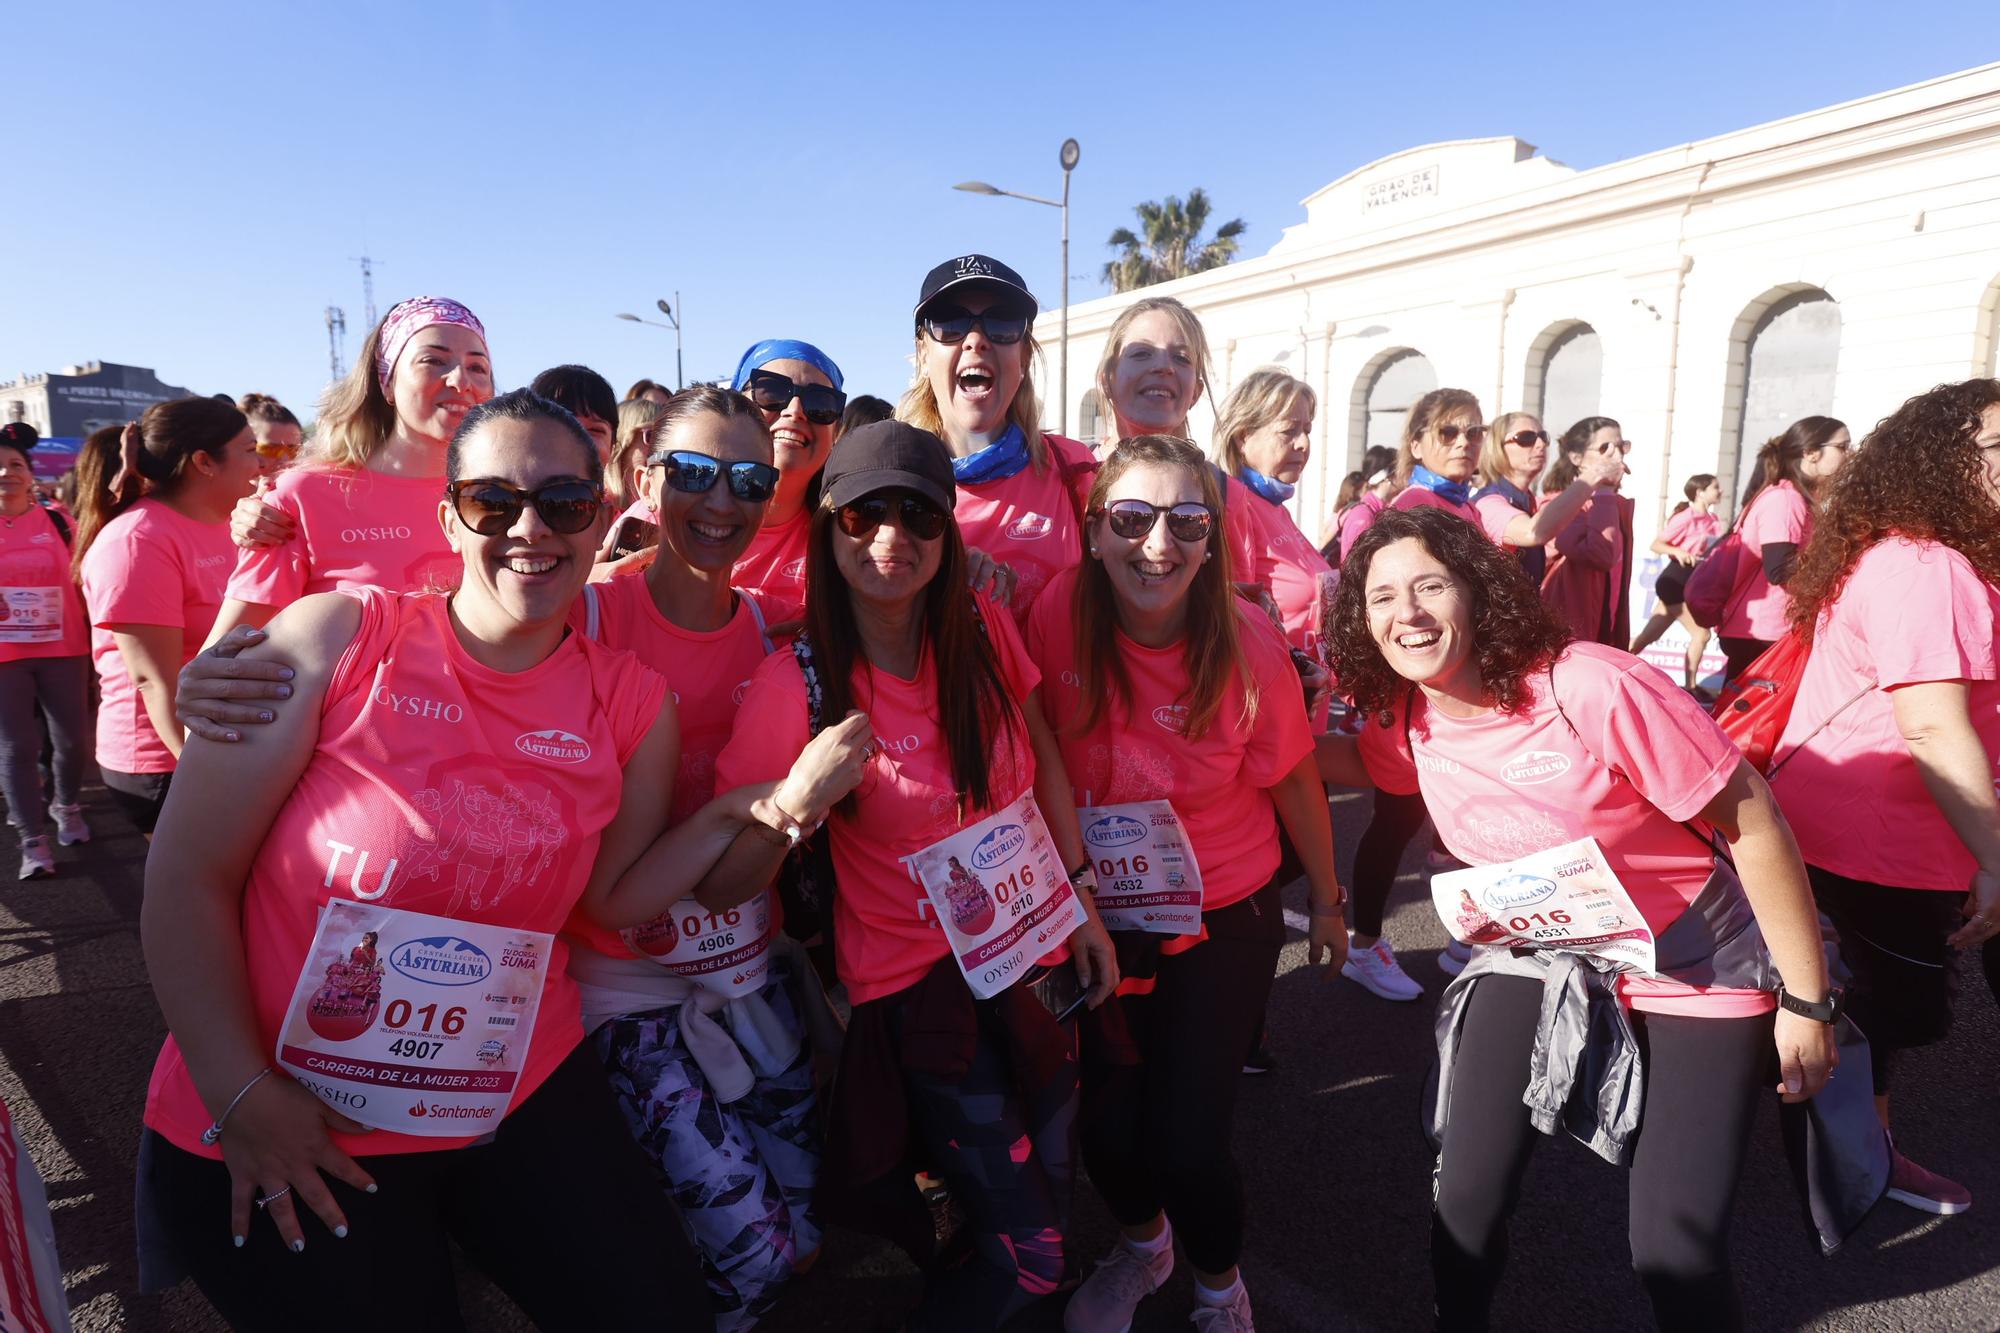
{"x":1703,"y":1077}
{"x":561,"y":1209}
{"x":1380,"y":853}
{"x":1157,"y":1135}
{"x":1739,"y":653}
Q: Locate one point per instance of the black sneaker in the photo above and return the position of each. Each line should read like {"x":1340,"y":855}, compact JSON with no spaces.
{"x":1259,"y":1061}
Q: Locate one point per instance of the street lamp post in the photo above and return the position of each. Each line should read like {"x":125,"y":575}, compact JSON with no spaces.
{"x":674,"y":323}
{"x":1070,"y":153}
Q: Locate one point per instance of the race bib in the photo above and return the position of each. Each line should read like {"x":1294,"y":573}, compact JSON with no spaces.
{"x":1564,"y":898}
{"x":999,"y":890}
{"x":411,"y":1022}
{"x":1147,"y":878}
{"x":31,"y":615}
{"x":727,"y":953}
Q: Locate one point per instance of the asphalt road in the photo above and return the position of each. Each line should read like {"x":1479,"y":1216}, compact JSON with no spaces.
{"x":1335,"y":1167}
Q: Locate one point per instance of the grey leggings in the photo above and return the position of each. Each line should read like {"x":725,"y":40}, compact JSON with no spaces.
{"x":58,"y":685}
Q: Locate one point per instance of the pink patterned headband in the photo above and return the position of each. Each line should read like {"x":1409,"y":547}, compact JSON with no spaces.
{"x":410,"y":318}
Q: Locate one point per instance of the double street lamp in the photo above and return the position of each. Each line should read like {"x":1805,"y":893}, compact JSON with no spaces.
{"x":674,"y":323}
{"x":1070,"y":154}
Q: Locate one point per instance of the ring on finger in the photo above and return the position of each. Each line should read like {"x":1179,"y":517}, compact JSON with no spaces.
{"x":266,"y":1200}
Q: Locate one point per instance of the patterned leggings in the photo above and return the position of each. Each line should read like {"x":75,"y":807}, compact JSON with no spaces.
{"x":741,"y":1172}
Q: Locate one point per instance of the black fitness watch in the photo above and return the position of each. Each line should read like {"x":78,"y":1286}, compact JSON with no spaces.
{"x":1827,"y":1011}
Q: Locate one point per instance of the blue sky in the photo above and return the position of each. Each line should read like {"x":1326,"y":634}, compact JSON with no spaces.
{"x":191,"y":180}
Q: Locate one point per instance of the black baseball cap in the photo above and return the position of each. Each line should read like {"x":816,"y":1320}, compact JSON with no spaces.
{"x":975,"y":271}
{"x":19,"y":435}
{"x":884,"y":456}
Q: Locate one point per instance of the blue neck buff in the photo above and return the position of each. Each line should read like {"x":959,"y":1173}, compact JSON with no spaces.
{"x":1454,"y":491}
{"x":1277,"y":492}
{"x":783,"y":349}
{"x":996,"y":462}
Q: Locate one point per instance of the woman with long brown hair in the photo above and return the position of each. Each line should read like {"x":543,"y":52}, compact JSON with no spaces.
{"x":1151,"y":657}
{"x":1775,"y":521}
{"x":1589,"y":575}
{"x":1886,"y":768}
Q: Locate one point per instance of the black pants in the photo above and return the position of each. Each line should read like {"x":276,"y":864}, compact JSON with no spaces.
{"x":1893,"y":942}
{"x":1156,"y":1135}
{"x":561,"y":1209}
{"x":1703,"y":1077}
{"x":1380,"y":852}
{"x":1739,"y":653}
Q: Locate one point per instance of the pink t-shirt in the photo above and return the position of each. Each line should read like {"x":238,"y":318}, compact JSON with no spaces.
{"x":774,"y":567}
{"x":421,"y":796}
{"x":1416,"y":497}
{"x":35,"y":584}
{"x":356,"y":528}
{"x":1299,"y":578}
{"x":1242,"y":533}
{"x":149,"y":566}
{"x":1691,"y":529}
{"x":1029,"y":520}
{"x":708,"y":673}
{"x":1220,"y":782}
{"x":885,"y":934}
{"x":1360,"y":516}
{"x":1496,"y":513}
{"x":1912,"y":612}
{"x":1501,"y":786}
{"x":1757,"y":610}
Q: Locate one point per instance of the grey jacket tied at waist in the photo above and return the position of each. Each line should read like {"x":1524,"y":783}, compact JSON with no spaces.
{"x":1587,"y":1075}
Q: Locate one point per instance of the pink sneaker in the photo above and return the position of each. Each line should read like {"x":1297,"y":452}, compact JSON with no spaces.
{"x":1924,"y":1190}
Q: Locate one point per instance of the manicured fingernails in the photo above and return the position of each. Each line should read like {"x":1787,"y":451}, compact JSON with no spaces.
{"x":264,"y":715}
{"x":231,"y":736}
{"x":341,"y":1231}
{"x":284,"y":673}
{"x":299,"y":1246}
{"x":239,"y":1241}
{"x":284,"y":691}
{"x":373,"y":1187}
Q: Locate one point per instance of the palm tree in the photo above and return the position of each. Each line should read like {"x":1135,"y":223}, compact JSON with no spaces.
{"x":1169,"y":243}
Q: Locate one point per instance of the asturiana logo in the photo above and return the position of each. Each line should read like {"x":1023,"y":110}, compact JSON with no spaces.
{"x":1114,"y":831}
{"x":1533,"y":766}
{"x":997,"y":847}
{"x":1518,"y":891}
{"x":1174,"y":717}
{"x":1030,"y":527}
{"x":555,"y":745}
{"x":794,"y":569}
{"x":442,"y":960}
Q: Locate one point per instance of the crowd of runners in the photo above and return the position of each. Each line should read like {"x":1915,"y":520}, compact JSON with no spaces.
{"x":624,"y":836}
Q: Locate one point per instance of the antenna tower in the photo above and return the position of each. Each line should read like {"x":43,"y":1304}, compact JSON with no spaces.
{"x":367,"y":286}
{"x":336,"y":333}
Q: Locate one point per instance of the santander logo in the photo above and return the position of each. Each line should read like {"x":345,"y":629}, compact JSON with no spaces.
{"x":555,"y":745}
{"x":1535,"y":766}
{"x":1030,"y":527}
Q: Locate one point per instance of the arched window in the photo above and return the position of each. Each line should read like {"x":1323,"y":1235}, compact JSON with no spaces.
{"x":1383,"y":396}
{"x":1089,"y":422}
{"x":1565,"y":376}
{"x":1791,"y":350}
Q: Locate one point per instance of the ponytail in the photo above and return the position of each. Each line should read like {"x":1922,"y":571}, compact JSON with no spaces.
{"x":1781,"y":455}
{"x":1696,"y":484}
{"x":150,"y":456}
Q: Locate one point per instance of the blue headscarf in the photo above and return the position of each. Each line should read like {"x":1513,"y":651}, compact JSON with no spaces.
{"x":783,"y":349}
{"x":1277,"y":492}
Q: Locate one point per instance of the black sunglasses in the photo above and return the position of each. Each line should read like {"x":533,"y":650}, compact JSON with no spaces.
{"x":772,"y":392}
{"x":693,"y":474}
{"x":1133,"y":519}
{"x":949,"y":324}
{"x":913,"y":513}
{"x":1526,"y":438}
{"x":568,"y":504}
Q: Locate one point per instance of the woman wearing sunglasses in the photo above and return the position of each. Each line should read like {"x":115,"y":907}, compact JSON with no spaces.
{"x":360,"y":509}
{"x":460,"y":773}
{"x":980,"y":1091}
{"x":1176,"y":705}
{"x":1515,"y":450}
{"x":797,"y":389}
{"x":1019,"y":488}
{"x":279,"y":436}
{"x":700,"y":1018}
{"x":1587,"y":582}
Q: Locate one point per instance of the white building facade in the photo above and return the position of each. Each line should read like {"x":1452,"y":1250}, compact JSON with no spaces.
{"x":1705,"y":296}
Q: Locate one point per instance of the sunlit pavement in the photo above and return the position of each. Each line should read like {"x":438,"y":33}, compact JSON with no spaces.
{"x":1335,"y":1167}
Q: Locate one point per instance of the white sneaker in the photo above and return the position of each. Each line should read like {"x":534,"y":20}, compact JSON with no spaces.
{"x":37,"y":861}
{"x":70,"y":828}
{"x":1233,"y":1316}
{"x":1376,"y":971}
{"x":1454,"y":958}
{"x":1107,"y":1299}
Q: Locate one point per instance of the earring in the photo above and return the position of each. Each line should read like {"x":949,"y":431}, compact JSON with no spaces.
{"x":1093,"y":553}
{"x":1207,"y":556}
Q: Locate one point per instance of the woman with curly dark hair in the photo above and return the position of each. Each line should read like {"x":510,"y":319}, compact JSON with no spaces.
{"x":1886,"y":768}
{"x":1587,"y":896}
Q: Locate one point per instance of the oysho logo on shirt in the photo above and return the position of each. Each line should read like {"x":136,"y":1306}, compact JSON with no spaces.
{"x":1030,"y":527}
{"x":1431,"y":764}
{"x":555,"y":745}
{"x":395,"y":534}
{"x":410,"y":705}
{"x":1174,"y":717}
{"x":1534,"y":766}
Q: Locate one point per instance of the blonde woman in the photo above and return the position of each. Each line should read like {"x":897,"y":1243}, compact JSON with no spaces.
{"x":631,"y":444}
{"x":361,"y":509}
{"x":1516,"y":449}
{"x":1020,"y":490}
